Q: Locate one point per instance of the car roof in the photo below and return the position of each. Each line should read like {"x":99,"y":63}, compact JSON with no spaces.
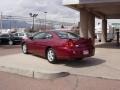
{"x":4,"y":34}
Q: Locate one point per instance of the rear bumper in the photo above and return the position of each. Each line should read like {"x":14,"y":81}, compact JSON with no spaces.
{"x":71,"y":54}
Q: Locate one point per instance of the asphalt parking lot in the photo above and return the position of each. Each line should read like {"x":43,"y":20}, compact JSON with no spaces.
{"x":9,"y":50}
{"x":105,"y":63}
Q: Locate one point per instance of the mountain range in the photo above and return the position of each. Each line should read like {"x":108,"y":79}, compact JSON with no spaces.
{"x":7,"y":24}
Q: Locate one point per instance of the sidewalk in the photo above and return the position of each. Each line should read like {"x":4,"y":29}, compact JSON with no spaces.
{"x":71,"y":82}
{"x":105,"y":64}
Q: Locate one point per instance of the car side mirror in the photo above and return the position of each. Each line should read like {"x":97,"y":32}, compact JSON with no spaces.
{"x":31,"y":38}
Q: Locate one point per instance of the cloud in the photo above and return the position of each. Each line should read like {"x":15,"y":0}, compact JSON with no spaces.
{"x":55,"y":9}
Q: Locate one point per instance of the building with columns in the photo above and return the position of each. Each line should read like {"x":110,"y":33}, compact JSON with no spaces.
{"x":89,"y":9}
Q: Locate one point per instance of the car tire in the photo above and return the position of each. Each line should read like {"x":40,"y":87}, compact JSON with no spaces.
{"x":51,"y":56}
{"x":24,"y":49}
{"x":10,"y":42}
{"x":0,"y":41}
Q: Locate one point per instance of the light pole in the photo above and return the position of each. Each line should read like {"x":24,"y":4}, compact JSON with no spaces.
{"x":10,"y":19}
{"x":33,"y":16}
{"x":40,"y":24}
{"x":45,"y":19}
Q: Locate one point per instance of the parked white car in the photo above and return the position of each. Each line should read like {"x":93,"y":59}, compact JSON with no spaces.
{"x":22,"y":35}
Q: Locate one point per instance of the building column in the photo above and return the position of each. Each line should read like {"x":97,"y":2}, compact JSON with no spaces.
{"x":104,"y":30}
{"x":84,"y":16}
{"x":91,"y":27}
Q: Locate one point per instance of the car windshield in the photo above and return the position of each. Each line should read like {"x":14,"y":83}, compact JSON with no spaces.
{"x":67,"y":35}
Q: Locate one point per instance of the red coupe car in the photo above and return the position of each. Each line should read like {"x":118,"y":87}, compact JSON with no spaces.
{"x":58,"y":45}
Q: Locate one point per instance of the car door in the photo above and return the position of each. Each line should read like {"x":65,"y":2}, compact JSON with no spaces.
{"x":43,"y":43}
{"x":4,"y":39}
{"x":36,"y":43}
{"x":31,"y":43}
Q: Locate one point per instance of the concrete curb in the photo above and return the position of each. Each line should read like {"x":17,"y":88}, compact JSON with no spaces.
{"x":18,"y":71}
{"x":33,"y":74}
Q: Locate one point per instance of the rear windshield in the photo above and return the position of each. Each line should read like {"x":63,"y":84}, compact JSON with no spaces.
{"x":67,"y":35}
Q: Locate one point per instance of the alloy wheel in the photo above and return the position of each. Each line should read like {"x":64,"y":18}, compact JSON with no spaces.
{"x":51,"y":56}
{"x":10,"y":42}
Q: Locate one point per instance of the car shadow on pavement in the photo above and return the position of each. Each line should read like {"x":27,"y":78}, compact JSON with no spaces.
{"x":83,"y":63}
{"x":108,"y":45}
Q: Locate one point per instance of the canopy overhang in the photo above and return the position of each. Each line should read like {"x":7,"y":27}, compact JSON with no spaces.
{"x":109,"y":9}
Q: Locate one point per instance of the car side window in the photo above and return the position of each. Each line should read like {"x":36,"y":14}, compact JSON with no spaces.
{"x":48,"y":36}
{"x":42,"y":35}
{"x":39,"y":36}
{"x":16,"y":34}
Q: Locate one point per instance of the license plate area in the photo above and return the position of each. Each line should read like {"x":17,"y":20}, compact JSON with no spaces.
{"x":85,"y":52}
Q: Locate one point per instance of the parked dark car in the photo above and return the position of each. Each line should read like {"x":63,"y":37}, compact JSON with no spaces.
{"x":58,"y":45}
{"x":9,"y":39}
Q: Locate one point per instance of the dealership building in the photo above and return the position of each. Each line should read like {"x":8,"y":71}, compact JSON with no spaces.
{"x":89,"y":9}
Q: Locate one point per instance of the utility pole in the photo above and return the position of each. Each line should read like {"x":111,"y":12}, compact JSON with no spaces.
{"x":10,"y":22}
{"x":45,"y":19}
{"x":1,"y":21}
{"x":40,"y":24}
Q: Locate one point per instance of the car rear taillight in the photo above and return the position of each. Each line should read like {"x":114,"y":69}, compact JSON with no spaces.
{"x":69,"y":44}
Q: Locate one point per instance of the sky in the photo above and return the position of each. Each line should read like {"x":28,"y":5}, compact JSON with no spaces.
{"x":55,"y":9}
